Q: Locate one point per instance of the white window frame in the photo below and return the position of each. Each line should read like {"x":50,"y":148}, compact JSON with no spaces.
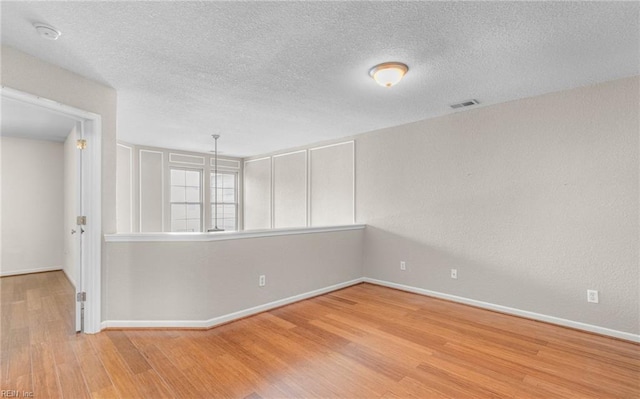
{"x":201,"y":203}
{"x":212,"y":198}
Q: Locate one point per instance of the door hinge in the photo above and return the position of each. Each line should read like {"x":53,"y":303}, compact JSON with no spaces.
{"x":81,"y":296}
{"x":81,"y":144}
{"x":81,"y":220}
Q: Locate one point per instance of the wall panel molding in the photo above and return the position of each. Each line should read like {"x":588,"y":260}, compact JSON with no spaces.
{"x":290,"y":189}
{"x":258,"y":194}
{"x":186,"y":159}
{"x":224,"y":163}
{"x":130,"y":187}
{"x":332,"y":184}
{"x":147,"y":202}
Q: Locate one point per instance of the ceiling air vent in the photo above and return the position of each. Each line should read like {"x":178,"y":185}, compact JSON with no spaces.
{"x":463,"y":104}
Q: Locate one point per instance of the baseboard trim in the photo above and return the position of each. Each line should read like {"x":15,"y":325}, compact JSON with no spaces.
{"x":216,"y":321}
{"x":508,"y":310}
{"x":30,"y":271}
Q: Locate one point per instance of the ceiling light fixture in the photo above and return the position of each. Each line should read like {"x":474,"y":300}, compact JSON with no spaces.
{"x":389,"y":73}
{"x":47,"y":31}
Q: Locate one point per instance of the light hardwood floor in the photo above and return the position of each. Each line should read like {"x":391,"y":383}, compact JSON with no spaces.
{"x":361,"y":342}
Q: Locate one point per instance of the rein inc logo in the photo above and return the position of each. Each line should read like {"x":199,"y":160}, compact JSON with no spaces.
{"x":14,"y":393}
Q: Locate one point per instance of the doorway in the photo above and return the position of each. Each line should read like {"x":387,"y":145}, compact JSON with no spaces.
{"x":81,"y":228}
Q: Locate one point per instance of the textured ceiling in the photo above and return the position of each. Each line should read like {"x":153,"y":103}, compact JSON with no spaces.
{"x":273,"y":75}
{"x":33,"y":122}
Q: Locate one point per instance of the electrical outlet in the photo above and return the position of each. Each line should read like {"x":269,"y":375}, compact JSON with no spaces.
{"x":454,"y":273}
{"x":262,"y":281}
{"x":403,"y":265}
{"x":592,"y":296}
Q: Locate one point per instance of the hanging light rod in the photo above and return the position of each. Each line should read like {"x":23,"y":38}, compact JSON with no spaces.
{"x":215,"y":192}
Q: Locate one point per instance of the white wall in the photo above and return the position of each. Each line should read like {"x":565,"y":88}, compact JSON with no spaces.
{"x":532,"y":201}
{"x":144,"y":180}
{"x":32,"y":205}
{"x":312,"y":186}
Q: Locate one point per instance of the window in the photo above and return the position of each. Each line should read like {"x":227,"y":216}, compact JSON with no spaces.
{"x":227,"y":205}
{"x":186,"y":200}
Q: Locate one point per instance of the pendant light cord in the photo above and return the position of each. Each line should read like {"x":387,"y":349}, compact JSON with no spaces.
{"x":215,"y":172}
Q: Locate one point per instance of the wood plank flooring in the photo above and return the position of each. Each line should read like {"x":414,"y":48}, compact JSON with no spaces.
{"x":361,"y":342}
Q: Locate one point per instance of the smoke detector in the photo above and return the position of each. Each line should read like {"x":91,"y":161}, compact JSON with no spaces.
{"x":47,"y":31}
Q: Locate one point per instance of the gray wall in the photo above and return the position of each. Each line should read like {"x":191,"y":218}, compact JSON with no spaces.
{"x":533,"y":201}
{"x":202,"y":280}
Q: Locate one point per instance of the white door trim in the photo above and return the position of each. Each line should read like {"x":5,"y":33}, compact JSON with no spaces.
{"x":92,"y":200}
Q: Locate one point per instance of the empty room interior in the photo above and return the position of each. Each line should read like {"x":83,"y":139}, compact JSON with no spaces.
{"x":320,"y":199}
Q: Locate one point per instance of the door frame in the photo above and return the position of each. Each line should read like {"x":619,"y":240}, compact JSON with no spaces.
{"x":91,"y":200}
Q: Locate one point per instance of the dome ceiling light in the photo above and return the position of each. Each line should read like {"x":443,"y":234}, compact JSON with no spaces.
{"x":388,"y":74}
